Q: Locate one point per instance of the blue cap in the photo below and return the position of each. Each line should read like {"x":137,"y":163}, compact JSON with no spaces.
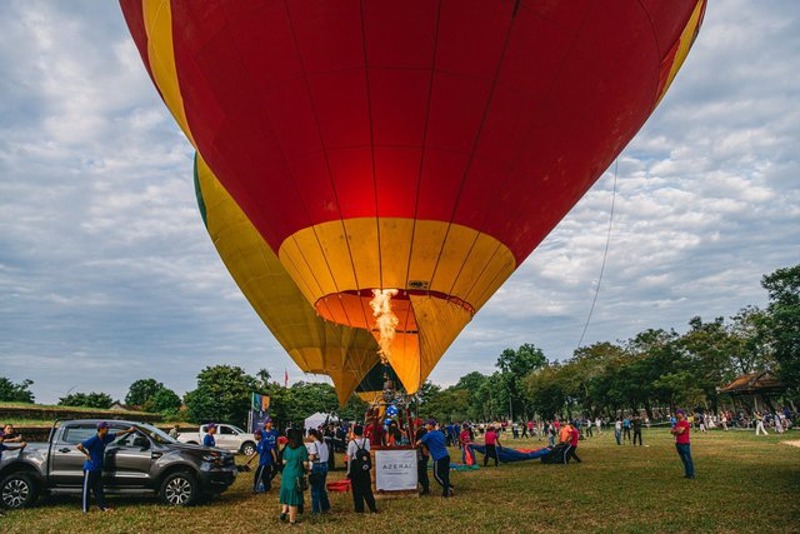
{"x":268,"y":420}
{"x":431,"y":422}
{"x":103,"y":424}
{"x":680,"y":411}
{"x":209,"y":426}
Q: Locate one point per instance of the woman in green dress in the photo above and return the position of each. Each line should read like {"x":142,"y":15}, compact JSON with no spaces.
{"x":295,"y":465}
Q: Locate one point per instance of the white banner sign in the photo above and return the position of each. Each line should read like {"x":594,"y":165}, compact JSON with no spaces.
{"x":396,"y":470}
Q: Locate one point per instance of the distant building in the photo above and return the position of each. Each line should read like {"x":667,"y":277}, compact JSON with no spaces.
{"x":754,"y":391}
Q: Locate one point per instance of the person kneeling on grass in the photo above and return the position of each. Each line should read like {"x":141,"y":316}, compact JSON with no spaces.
{"x":94,"y":448}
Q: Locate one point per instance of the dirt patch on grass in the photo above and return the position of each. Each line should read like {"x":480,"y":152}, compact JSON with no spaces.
{"x":793,"y":443}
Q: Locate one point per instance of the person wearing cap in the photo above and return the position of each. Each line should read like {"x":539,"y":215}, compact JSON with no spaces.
{"x":208,"y":439}
{"x":434,"y":441}
{"x":270,"y":438}
{"x":681,"y":433}
{"x":94,"y":449}
{"x":6,"y":446}
{"x":12,"y":436}
{"x":266,"y":459}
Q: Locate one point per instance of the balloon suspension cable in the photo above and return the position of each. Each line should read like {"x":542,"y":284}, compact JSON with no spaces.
{"x":385,"y":320}
{"x":605,"y":255}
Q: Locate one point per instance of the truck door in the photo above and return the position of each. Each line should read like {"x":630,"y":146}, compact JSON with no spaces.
{"x":66,"y":461}
{"x":128,"y":460}
{"x":226,"y":438}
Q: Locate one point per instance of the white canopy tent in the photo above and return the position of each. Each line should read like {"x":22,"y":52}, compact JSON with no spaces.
{"x":318,"y":419}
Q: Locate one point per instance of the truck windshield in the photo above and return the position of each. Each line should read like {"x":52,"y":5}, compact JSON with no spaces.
{"x":155,"y":434}
{"x":237,"y":429}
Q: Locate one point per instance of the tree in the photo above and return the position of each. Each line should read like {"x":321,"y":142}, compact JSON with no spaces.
{"x":165,"y":401}
{"x":709,"y":347}
{"x":515,"y":365}
{"x":89,"y":400}
{"x":11,"y":392}
{"x":783,"y":287}
{"x":354,"y":409}
{"x":142,"y":391}
{"x":751,"y":344}
{"x":222,"y":394}
{"x":544,"y":391}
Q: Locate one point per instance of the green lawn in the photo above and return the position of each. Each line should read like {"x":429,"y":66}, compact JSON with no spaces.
{"x":743,"y":484}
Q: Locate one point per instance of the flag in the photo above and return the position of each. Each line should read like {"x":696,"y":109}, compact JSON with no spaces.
{"x":285,"y":378}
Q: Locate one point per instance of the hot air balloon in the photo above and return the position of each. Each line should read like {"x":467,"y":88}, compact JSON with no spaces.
{"x":424,"y":148}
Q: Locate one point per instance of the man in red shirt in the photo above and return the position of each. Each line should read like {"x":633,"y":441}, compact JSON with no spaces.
{"x":374,"y":433}
{"x":681,"y":433}
{"x":574,"y":436}
{"x":492,"y":442}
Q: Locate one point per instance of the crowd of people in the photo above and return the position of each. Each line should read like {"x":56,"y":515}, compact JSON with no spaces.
{"x":304,"y":459}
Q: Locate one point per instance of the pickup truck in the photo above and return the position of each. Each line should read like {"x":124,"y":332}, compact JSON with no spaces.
{"x":228,"y":437}
{"x":146,"y":462}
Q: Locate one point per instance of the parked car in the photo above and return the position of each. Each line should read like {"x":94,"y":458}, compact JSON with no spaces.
{"x":146,"y":462}
{"x":228,"y":437}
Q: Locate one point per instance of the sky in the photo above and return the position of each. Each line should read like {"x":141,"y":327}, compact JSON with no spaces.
{"x":107,"y":274}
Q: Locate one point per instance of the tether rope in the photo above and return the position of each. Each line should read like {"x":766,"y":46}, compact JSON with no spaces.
{"x":605,"y":255}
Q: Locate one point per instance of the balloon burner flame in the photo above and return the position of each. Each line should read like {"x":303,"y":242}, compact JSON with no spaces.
{"x":385,"y":320}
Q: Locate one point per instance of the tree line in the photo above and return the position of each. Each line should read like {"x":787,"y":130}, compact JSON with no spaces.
{"x":656,"y":371}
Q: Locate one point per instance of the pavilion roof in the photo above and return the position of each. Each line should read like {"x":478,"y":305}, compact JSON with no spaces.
{"x":758,"y":382}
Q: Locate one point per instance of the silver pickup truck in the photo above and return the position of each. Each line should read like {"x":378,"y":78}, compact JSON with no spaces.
{"x":146,"y":462}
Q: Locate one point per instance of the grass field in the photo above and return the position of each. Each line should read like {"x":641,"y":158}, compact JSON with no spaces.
{"x":743,"y":484}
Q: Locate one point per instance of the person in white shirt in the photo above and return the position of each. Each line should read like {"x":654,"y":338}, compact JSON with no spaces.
{"x":760,"y":424}
{"x":319,"y":455}
{"x":359,"y":473}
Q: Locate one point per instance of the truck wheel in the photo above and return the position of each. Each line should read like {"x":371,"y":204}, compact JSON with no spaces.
{"x":179,"y":489}
{"x":18,"y":490}
{"x":248,"y":448}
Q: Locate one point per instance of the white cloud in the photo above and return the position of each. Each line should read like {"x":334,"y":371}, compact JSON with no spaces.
{"x":107,"y":274}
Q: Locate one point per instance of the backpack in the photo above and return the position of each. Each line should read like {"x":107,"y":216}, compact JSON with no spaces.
{"x":362,"y":461}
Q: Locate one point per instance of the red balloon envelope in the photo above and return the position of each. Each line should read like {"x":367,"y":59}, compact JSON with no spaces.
{"x":426,"y":146}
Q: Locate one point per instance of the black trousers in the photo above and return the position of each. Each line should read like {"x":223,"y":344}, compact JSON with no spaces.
{"x":441,"y":472}
{"x":491,"y":452}
{"x":637,"y":433}
{"x":571,"y":454}
{"x":362,"y":492}
{"x":422,"y":474}
{"x":626,"y":434}
{"x":93,"y":482}
{"x":263,"y":475}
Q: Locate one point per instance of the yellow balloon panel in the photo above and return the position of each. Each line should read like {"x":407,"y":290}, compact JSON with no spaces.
{"x":317,"y":346}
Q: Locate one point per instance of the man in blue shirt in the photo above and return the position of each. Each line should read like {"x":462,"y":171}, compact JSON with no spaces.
{"x":270,"y":435}
{"x":265,"y":449}
{"x":94,"y":448}
{"x":9,"y":446}
{"x":435,"y":442}
{"x":208,"y":439}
